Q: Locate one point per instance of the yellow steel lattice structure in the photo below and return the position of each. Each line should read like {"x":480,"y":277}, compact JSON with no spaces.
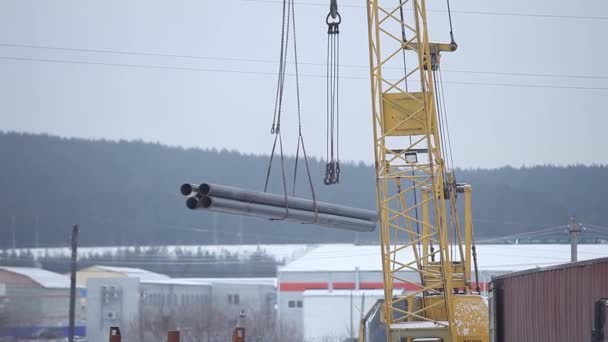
{"x":416,"y":206}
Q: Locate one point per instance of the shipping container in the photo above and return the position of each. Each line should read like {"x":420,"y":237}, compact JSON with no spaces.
{"x":549,"y":304}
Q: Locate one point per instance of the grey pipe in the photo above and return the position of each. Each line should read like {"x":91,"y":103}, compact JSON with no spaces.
{"x":276,"y":200}
{"x":273,"y":212}
{"x":187,"y":189}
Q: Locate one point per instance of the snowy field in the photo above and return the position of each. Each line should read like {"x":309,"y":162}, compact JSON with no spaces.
{"x":285,"y":253}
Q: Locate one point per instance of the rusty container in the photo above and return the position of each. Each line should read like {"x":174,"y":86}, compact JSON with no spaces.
{"x":548,"y":304}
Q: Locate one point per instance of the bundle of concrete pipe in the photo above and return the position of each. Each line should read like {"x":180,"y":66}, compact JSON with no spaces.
{"x":238,"y":201}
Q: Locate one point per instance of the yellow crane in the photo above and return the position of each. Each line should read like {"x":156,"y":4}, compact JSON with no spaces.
{"x":421,"y":230}
{"x":411,"y":176}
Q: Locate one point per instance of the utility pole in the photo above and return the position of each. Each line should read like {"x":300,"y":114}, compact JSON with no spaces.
{"x":73,"y":283}
{"x":574,"y":230}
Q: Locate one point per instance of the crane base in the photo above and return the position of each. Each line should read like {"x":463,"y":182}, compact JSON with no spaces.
{"x":420,"y":329}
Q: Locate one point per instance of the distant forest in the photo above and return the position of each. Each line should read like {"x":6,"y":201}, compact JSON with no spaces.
{"x":184,"y":263}
{"x":127,"y":193}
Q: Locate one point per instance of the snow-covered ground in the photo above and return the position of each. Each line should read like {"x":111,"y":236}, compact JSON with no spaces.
{"x":285,"y":253}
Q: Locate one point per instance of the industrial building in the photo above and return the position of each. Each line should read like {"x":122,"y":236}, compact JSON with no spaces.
{"x":140,"y":306}
{"x":343,"y":307}
{"x":336,"y":268}
{"x":256,"y":296}
{"x":100,"y":271}
{"x":197,"y":306}
{"x":34,"y":303}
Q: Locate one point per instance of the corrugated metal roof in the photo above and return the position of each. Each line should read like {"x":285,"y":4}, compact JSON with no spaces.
{"x":552,"y":268}
{"x":46,"y":279}
{"x":130,"y":272}
{"x":505,"y":258}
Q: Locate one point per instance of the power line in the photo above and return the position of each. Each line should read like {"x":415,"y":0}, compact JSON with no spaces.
{"x":233,"y":59}
{"x":595,"y":226}
{"x":528,"y":85}
{"x":515,"y":223}
{"x":551,"y":230}
{"x":535,"y":15}
{"x":527,"y":74}
{"x":508,"y":14}
{"x":159,"y":67}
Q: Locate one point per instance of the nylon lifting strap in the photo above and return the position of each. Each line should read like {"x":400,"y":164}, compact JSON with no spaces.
{"x":333,"y":20}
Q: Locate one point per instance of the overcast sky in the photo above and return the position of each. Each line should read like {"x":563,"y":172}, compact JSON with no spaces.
{"x":224,"y":99}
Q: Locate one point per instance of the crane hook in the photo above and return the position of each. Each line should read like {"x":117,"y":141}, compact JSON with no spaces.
{"x":334,"y":18}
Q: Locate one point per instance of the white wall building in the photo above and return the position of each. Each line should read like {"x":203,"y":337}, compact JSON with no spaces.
{"x":351,"y":267}
{"x":131,"y":303}
{"x":256,"y":296}
{"x":343,"y":308}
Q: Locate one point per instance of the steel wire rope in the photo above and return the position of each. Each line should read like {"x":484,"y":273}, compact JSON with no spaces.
{"x":289,"y":17}
{"x":332,"y":168}
{"x":447,"y":125}
{"x":300,"y":135}
{"x":338,"y":109}
{"x":276,"y":123}
{"x":447,"y":149}
{"x":446,"y":185}
{"x":450,"y":19}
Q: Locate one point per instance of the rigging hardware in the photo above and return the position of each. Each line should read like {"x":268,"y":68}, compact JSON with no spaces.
{"x":332,"y":168}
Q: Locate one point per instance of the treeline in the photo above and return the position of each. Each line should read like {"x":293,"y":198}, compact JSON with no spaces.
{"x":126,"y":193}
{"x":182,"y":263}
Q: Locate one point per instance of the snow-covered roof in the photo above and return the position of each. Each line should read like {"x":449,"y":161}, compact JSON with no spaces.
{"x":233,"y":281}
{"x":342,"y":293}
{"x":500,"y":258}
{"x":130,"y":272}
{"x":174,"y":281}
{"x":44,"y":278}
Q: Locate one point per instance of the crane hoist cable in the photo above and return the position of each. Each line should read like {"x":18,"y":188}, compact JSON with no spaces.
{"x":450,"y":19}
{"x":288,"y":21}
{"x":299,"y":110}
{"x":332,"y":168}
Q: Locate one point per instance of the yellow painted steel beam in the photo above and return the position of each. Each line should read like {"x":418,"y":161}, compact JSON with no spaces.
{"x":468,"y":231}
{"x":405,"y":125}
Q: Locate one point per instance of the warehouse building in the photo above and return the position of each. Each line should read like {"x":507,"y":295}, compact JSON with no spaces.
{"x":149,"y":305}
{"x":100,"y":271}
{"x":144,"y":309}
{"x":343,"y":308}
{"x":255,"y":296}
{"x":34,"y":303}
{"x":358,"y":268}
